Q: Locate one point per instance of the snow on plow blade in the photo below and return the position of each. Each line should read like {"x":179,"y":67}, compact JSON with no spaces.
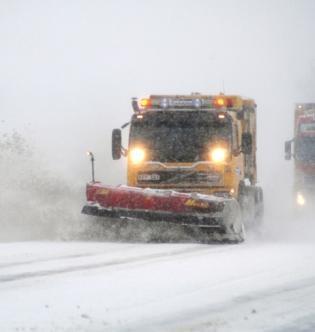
{"x":222,"y":215}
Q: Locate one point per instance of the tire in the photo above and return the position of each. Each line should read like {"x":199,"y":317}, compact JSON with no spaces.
{"x":234,"y":225}
{"x":259,"y":206}
{"x":252,"y":204}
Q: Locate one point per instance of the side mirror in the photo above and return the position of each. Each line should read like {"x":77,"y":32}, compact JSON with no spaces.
{"x":116,"y":144}
{"x":247,"y":143}
{"x":287,"y":150}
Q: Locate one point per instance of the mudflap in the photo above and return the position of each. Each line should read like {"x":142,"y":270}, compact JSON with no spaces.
{"x":214,"y":218}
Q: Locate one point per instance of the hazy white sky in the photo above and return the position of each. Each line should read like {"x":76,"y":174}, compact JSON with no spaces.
{"x":69,"y":68}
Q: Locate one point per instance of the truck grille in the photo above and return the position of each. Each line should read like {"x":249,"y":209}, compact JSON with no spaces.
{"x":180,"y":178}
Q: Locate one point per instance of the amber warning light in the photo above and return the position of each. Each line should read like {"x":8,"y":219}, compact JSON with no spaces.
{"x":145,"y":103}
{"x":189,"y":102}
{"x":226,"y":101}
{"x":220,"y":102}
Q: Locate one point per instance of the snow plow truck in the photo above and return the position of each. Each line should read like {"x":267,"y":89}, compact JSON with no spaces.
{"x":191,"y":161}
{"x":304,"y":154}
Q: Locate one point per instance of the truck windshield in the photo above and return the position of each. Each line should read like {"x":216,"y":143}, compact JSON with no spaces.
{"x":179,"y":136}
{"x":305,"y":149}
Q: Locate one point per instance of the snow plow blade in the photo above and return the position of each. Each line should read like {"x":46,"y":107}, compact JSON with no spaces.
{"x":216,"y":214}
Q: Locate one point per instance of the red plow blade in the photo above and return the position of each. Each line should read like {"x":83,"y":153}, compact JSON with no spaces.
{"x":153,"y":205}
{"x":217,"y":214}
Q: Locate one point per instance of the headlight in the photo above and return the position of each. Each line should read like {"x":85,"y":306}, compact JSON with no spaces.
{"x":300,"y":199}
{"x":218,"y":155}
{"x":137,"y":155}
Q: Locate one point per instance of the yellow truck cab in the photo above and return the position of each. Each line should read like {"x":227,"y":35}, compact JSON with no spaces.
{"x":195,"y":143}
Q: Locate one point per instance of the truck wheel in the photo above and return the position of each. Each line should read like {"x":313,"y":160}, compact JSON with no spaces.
{"x":235,"y":229}
{"x":252,"y":205}
{"x":247,"y":203}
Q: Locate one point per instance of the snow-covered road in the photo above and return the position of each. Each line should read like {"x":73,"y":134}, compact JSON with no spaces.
{"x":94,"y":286}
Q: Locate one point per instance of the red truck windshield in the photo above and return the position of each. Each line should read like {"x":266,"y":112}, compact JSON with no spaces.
{"x":305,"y":149}
{"x":179,"y":136}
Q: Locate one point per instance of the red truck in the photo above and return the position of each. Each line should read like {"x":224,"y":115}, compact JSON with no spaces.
{"x":303,"y":153}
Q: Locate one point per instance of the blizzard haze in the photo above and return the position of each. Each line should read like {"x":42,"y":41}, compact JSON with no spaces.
{"x":68,"y":70}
